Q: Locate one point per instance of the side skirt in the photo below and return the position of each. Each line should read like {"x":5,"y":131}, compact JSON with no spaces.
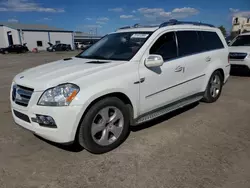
{"x":168,"y":108}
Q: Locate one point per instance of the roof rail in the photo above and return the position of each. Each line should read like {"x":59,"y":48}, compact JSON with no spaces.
{"x":125,"y":27}
{"x":176,"y":22}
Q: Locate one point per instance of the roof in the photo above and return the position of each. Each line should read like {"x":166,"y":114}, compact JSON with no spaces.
{"x":152,"y":29}
{"x":32,"y":27}
{"x":172,"y":23}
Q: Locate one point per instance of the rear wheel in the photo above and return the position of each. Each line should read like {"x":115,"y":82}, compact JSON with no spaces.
{"x":105,"y":126}
{"x":214,"y":88}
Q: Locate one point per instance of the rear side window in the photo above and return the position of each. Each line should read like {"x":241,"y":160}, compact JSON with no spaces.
{"x":165,"y":46}
{"x":188,"y":43}
{"x":210,"y":41}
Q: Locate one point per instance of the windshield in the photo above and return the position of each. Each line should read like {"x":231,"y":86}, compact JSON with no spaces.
{"x":242,"y":40}
{"x":116,"y":46}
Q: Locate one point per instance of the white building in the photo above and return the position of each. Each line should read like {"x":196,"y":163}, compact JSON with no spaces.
{"x":240,"y":24}
{"x":82,"y":38}
{"x":35,"y":36}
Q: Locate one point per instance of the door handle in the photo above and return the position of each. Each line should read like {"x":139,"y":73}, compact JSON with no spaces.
{"x":208,"y":59}
{"x":179,"y":69}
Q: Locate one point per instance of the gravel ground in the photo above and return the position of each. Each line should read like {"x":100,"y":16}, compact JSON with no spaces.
{"x":203,"y":146}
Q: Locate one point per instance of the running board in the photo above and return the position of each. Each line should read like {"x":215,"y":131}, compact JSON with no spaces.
{"x":167,"y":109}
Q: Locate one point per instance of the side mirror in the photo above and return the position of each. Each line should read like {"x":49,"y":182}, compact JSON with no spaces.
{"x":154,"y":61}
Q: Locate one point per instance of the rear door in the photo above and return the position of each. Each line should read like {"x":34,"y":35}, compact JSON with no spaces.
{"x":214,"y":51}
{"x":192,"y":61}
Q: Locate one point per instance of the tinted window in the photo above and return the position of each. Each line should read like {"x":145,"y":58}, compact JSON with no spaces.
{"x":165,"y":46}
{"x":188,"y":43}
{"x":242,"y":40}
{"x":210,"y":41}
{"x":39,"y":43}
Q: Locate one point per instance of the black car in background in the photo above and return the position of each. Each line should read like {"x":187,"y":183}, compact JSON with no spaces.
{"x":59,"y":47}
{"x":16,"y":48}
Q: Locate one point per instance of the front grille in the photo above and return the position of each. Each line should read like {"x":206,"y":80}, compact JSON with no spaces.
{"x":21,"y":95}
{"x":237,"y":56}
{"x":22,"y":116}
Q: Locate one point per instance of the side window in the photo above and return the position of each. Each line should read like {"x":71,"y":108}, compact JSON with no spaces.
{"x":188,"y":43}
{"x":211,"y":41}
{"x":39,"y":43}
{"x":165,"y":46}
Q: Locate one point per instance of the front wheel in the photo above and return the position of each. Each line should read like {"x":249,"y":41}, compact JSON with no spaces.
{"x":105,"y":126}
{"x":214,"y":88}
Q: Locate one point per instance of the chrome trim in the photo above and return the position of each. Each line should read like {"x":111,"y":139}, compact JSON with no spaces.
{"x":21,"y":95}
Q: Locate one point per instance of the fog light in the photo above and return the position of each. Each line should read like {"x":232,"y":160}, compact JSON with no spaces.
{"x":45,"y":121}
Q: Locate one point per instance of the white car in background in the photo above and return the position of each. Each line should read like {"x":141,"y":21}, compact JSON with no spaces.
{"x":239,"y":50}
{"x":128,"y":77}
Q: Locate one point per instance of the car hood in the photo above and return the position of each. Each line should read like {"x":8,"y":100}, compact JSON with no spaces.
{"x":62,"y":71}
{"x":241,"y":49}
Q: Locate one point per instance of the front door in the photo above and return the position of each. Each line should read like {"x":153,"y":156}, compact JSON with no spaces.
{"x":161,"y":84}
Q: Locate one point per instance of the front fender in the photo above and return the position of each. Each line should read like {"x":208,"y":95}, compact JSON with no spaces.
{"x":84,"y":100}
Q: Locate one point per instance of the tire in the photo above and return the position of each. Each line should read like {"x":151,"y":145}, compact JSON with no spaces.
{"x":95,"y":141}
{"x":211,"y":95}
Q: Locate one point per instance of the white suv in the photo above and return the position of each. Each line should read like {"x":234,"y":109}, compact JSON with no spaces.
{"x":239,"y":50}
{"x":129,"y":77}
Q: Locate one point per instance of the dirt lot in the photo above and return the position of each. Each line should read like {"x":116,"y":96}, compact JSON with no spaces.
{"x":205,"y":146}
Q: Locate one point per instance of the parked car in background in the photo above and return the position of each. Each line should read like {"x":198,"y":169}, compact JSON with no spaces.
{"x":86,"y":45}
{"x":239,"y":50}
{"x":129,"y":77}
{"x":59,"y":47}
{"x":16,"y":48}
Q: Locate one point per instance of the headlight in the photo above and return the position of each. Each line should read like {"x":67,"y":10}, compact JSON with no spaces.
{"x":61,"y":95}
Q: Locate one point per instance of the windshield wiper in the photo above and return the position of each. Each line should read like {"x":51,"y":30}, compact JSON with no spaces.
{"x":92,"y":57}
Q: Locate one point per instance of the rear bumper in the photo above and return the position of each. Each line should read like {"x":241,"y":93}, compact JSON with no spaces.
{"x":227,"y":73}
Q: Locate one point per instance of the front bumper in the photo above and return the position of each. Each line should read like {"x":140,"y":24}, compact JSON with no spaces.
{"x":66,"y":119}
{"x":245,"y":63}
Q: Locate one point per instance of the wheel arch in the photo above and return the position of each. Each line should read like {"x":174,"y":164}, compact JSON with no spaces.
{"x":120,"y":95}
{"x":210,"y":74}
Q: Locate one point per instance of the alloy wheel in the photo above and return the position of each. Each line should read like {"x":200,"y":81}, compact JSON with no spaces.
{"x":107,"y":126}
{"x":215,"y":86}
